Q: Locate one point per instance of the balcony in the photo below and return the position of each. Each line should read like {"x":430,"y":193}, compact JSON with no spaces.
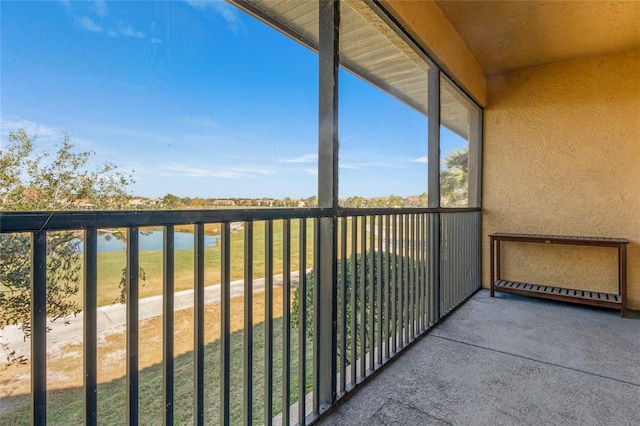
{"x":376,"y":315}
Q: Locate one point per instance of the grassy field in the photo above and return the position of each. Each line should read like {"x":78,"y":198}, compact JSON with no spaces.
{"x":65,"y":403}
{"x":111,"y":264}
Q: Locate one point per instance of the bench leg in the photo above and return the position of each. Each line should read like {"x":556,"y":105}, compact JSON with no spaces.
{"x":492,"y":262}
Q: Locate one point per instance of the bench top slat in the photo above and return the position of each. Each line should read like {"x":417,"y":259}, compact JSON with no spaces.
{"x":559,"y":239}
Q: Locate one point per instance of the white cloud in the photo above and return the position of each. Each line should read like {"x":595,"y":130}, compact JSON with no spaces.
{"x":129,"y":32}
{"x":307,"y":158}
{"x":205,"y":122}
{"x":32,"y":128}
{"x":349,"y":166}
{"x":88,"y":24}
{"x":222,"y":9}
{"x":421,"y":160}
{"x":234,"y":172}
{"x":100,"y":7}
{"x":359,"y":166}
{"x":156,"y":40}
{"x":313,"y":172}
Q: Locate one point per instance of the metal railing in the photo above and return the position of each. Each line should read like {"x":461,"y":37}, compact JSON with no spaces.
{"x":396,"y":272}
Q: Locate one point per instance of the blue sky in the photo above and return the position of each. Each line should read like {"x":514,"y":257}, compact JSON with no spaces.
{"x":197,"y":99}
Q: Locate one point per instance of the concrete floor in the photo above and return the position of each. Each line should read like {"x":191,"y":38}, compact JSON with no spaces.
{"x":509,"y":360}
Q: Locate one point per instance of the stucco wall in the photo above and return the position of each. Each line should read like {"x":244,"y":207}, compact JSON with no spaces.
{"x":562,"y":156}
{"x":424,"y":20}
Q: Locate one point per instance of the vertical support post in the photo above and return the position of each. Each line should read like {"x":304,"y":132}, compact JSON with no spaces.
{"x":168,"y":254}
{"x":381,"y":316}
{"x":39,"y":328}
{"x":90,"y":328}
{"x":198,"y":331}
{"x":324,"y":357}
{"x":268,"y":322}
{"x":302,"y":319}
{"x":433,"y":172}
{"x":225,"y":322}
{"x":433,"y":111}
{"x":133,"y":269}
{"x":286,"y":320}
{"x":475,"y":157}
{"x":362,"y":294}
{"x":343,"y":307}
{"x":248,"y":323}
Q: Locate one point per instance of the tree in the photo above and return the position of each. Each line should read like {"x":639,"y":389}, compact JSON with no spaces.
{"x":396,"y":201}
{"x":423,"y":200}
{"x":171,"y":201}
{"x":196,"y":203}
{"x":355,"y":202}
{"x":395,"y":265}
{"x":454,"y":179}
{"x":31,"y":181}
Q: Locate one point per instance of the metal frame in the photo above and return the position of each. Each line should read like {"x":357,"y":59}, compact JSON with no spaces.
{"x":326,"y":268}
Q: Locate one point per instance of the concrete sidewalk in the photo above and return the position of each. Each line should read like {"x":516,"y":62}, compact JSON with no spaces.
{"x":509,"y":360}
{"x":111,"y":316}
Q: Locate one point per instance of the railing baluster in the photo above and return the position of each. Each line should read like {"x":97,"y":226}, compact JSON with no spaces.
{"x":316,"y":315}
{"x":394,"y":285}
{"x":401,"y":281}
{"x":225,"y":322}
{"x":39,"y":328}
{"x":381,"y":316}
{"x":343,"y":306}
{"x":198,"y":332}
{"x":302,"y":320}
{"x":412,"y":275}
{"x":168,"y":260}
{"x":248,"y":323}
{"x":353,"y":307}
{"x":268,"y":323}
{"x":363,"y":297}
{"x":407,"y":278}
{"x":90,"y":327}
{"x":418,"y":266}
{"x":423,"y":304}
{"x":416,"y":276}
{"x":286,"y":321}
{"x":387,"y":271}
{"x":372,"y":300}
{"x":133,"y":267}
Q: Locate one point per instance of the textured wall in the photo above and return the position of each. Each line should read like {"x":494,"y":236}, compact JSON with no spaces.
{"x":425,"y":21}
{"x":562,"y":156}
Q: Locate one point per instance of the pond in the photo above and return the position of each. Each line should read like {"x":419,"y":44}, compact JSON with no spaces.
{"x":152,"y":240}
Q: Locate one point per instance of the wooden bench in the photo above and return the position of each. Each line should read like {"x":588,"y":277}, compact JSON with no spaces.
{"x":615,"y":301}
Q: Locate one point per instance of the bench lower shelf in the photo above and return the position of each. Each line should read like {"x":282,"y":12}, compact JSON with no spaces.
{"x":606,"y":300}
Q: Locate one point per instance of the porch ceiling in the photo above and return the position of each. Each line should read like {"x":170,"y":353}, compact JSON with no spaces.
{"x":510,"y":35}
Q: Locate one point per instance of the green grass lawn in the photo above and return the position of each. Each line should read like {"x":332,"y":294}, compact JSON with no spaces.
{"x":111,"y":264}
{"x":65,"y":406}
